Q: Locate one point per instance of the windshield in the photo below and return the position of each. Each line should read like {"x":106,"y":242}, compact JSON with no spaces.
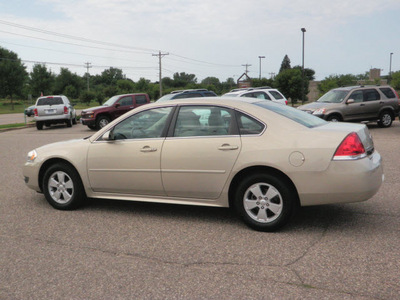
{"x":293,"y":114}
{"x":166,"y":98}
{"x":110,"y":101}
{"x":230,"y":95}
{"x":334,"y":96}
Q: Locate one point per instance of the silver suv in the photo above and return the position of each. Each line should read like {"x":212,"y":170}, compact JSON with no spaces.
{"x":54,"y":110}
{"x":357,"y":103}
{"x":265,"y":93}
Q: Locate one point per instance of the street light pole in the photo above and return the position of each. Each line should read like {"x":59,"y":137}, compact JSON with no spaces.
{"x":260,"y":57}
{"x":302,"y":69}
{"x":390,"y":68}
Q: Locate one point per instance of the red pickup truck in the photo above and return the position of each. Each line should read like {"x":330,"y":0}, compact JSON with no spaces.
{"x":99,"y":116}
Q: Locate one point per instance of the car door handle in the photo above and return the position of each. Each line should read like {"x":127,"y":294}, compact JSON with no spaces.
{"x":362,"y":104}
{"x":228,"y":147}
{"x":148,"y":149}
{"x":382,"y":102}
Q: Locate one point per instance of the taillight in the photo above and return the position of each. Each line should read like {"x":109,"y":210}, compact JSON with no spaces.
{"x":285,"y":102}
{"x":351,"y":148}
{"x":35,"y":111}
{"x":65,"y":110}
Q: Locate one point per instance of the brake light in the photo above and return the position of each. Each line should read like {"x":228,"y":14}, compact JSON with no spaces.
{"x":351,"y":148}
{"x":35,"y":111}
{"x":65,"y":110}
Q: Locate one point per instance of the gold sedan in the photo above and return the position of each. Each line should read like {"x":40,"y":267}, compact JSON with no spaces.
{"x":261,"y":158}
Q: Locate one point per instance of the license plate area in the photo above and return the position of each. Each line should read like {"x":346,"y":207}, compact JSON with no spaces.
{"x":50,"y":111}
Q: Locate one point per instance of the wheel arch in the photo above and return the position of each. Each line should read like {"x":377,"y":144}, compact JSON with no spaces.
{"x":47,"y":164}
{"x":335,"y":113}
{"x":259,"y":169}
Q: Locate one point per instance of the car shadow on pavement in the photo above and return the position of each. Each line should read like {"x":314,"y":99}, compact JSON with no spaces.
{"x":310,"y":218}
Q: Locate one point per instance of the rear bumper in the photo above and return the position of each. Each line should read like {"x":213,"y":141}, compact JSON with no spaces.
{"x":342,"y":182}
{"x":50,"y":118}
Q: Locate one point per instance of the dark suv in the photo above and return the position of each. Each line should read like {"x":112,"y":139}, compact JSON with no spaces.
{"x":187,"y":94}
{"x":99,"y":116}
{"x":357,"y":103}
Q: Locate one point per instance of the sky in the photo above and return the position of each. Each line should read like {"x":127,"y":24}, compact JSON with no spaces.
{"x":207,"y":38}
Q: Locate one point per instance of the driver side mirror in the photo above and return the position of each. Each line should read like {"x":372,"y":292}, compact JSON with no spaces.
{"x":350,"y":101}
{"x":117,"y":105}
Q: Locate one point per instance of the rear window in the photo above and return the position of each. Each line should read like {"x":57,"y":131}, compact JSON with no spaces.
{"x":388,"y":92}
{"x":50,"y":101}
{"x":293,"y":114}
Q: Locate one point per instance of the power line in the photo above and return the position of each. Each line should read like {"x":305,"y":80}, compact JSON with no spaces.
{"x":72,"y":37}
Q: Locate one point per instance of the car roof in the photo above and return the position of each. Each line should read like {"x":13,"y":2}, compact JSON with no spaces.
{"x":349,"y":88}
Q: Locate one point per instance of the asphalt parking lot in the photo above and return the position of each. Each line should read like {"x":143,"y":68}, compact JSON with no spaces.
{"x":127,"y":250}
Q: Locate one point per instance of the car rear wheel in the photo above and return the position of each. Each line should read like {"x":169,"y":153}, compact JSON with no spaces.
{"x":39,"y":125}
{"x":102,"y":121}
{"x":265,"y":202}
{"x":74,"y":121}
{"x":385,"y":119}
{"x":62,"y":187}
{"x":69,"y":123}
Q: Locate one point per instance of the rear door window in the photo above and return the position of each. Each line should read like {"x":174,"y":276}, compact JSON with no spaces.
{"x":248,"y":125}
{"x":371,"y":95}
{"x":140,"y":99}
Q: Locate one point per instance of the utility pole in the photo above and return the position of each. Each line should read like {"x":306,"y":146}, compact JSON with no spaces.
{"x":88,"y":65}
{"x":160,"y":55}
{"x":246,"y":65}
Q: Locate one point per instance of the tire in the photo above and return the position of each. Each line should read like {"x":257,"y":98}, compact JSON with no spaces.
{"x":39,"y":125}
{"x":69,"y":122}
{"x":62,"y":187}
{"x":47,"y":124}
{"x":74,"y":121}
{"x":92,"y":127}
{"x":334,"y":118}
{"x":265,"y":202}
{"x":102,"y":121}
{"x":385,"y":119}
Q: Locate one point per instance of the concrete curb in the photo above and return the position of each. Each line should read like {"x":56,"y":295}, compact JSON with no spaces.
{"x":16,"y":128}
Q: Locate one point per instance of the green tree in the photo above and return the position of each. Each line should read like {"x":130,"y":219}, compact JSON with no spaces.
{"x":87,"y":96}
{"x":41,"y":80}
{"x":395,"y":80}
{"x":334,"y":81}
{"x":111,"y":76}
{"x":262,"y":82}
{"x":143,"y":85}
{"x":13,"y":75}
{"x":68,"y":83}
{"x":184,"y":80}
{"x":125,"y":86}
{"x":285,"y":65}
{"x":289,"y":82}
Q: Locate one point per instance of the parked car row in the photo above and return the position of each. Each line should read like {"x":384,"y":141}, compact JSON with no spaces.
{"x":349,"y":104}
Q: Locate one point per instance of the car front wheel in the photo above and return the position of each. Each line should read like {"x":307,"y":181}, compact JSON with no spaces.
{"x":102,"y":121}
{"x":265,"y":202}
{"x":62,"y":187}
